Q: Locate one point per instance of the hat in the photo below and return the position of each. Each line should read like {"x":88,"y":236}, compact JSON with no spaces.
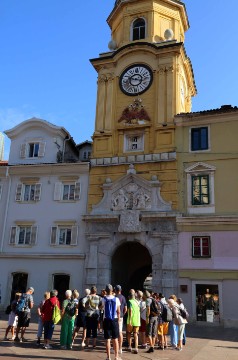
{"x":31,"y":289}
{"x":109,"y":288}
{"x":118,"y":288}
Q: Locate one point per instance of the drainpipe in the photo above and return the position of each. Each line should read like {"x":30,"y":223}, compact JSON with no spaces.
{"x":7,"y":207}
{"x":66,"y":139}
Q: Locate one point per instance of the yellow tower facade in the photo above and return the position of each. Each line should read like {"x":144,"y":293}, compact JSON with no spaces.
{"x":143,"y":82}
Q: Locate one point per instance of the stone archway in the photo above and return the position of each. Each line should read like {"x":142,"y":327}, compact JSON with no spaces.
{"x":131,"y":264}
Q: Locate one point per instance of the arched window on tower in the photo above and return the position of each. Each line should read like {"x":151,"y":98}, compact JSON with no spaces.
{"x":138,"y":29}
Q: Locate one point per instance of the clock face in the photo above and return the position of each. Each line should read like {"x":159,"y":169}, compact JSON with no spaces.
{"x":136,"y":79}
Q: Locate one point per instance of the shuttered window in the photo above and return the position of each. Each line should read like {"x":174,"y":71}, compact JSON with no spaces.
{"x":67,"y":192}
{"x":64,"y":235}
{"x":26,"y":192}
{"x":23,"y":235}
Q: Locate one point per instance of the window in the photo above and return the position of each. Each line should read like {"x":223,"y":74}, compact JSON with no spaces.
{"x":201,"y":246}
{"x":64,"y":235}
{"x":23,"y":235}
{"x":28,"y":192}
{"x":67,"y":191}
{"x":86,"y":155}
{"x":199,"y":139}
{"x":32,"y":149}
{"x":200,"y":190}
{"x":138,"y":29}
{"x":134,"y":143}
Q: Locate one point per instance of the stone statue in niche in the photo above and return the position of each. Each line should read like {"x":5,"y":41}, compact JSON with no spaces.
{"x":141,"y":200}
{"x":120,"y":201}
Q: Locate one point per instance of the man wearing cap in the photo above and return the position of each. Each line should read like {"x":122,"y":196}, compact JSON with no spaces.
{"x":123,"y":310}
{"x":25,"y":315}
{"x":111,"y":306}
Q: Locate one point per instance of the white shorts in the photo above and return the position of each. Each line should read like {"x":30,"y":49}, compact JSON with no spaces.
{"x":12,"y":319}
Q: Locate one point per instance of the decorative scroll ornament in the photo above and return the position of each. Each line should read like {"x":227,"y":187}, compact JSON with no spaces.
{"x":134,"y":113}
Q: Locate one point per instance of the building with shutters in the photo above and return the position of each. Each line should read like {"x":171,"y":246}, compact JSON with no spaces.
{"x":44,"y":195}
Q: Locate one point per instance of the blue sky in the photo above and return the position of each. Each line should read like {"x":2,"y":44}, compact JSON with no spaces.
{"x":45,"y":47}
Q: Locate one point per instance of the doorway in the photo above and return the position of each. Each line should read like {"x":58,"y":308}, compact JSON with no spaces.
{"x":19,"y":284}
{"x":131,"y":265}
{"x":61,"y":284}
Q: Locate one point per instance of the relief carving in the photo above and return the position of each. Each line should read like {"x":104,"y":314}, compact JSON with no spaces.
{"x":131,"y":198}
{"x":130,"y":221}
{"x":134,"y":113}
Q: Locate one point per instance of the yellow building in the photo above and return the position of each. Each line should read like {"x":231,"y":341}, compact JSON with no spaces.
{"x":143,"y":81}
{"x":207,"y":160}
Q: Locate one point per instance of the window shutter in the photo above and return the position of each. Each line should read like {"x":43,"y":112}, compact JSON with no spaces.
{"x":33,"y":235}
{"x":13,"y":235}
{"x":19,"y":192}
{"x":74,"y":235}
{"x":0,"y":191}
{"x":53,"y":238}
{"x":37,"y":192}
{"x":41,"y":149}
{"x":77,"y":191}
{"x":58,"y":191}
{"x":23,"y":151}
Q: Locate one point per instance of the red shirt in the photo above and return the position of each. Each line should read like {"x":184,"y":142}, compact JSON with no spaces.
{"x":47,"y":308}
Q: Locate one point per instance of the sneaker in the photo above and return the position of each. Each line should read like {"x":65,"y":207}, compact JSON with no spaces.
{"x":38,"y":342}
{"x":83,"y":344}
{"x":151,"y":349}
{"x":129,"y":349}
{"x":48,"y":346}
{"x":23,"y":339}
{"x":17,"y":339}
{"x":144,"y":346}
{"x":135,"y":351}
{"x":120,"y":351}
{"x":179,"y":349}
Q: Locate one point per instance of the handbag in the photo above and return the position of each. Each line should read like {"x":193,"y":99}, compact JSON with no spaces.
{"x":56,"y":316}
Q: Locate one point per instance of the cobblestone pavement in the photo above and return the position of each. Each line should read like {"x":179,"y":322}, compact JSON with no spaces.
{"x":202,"y":343}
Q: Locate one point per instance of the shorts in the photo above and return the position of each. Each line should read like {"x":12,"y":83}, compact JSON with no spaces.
{"x":163,"y":329}
{"x":151,"y":327}
{"x":130,"y":328}
{"x":12,"y":319}
{"x":81,"y":320}
{"x":24,"y":319}
{"x":111,"y":329}
{"x":143,"y":325}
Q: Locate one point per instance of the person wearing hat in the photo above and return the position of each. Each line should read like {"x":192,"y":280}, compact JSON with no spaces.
{"x":25,"y":315}
{"x":111,"y":306}
{"x":123,"y":311}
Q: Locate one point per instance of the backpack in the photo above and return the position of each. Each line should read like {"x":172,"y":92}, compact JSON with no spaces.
{"x":22,"y":304}
{"x":8,"y":309}
{"x":56,"y":316}
{"x":167,"y":314}
{"x":155,"y":308}
{"x":184,"y":313}
{"x":70,"y":308}
{"x":110,"y":308}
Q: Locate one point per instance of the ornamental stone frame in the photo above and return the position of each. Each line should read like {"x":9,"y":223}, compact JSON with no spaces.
{"x":132,"y":210}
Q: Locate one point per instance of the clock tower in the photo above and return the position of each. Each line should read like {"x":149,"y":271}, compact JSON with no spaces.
{"x":143,"y":81}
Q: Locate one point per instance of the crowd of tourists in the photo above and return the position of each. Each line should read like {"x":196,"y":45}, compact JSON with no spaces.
{"x":150,"y":320}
